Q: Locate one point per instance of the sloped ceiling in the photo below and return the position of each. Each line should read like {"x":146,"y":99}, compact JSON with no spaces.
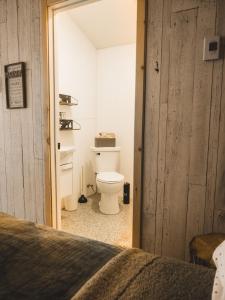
{"x":107,"y":23}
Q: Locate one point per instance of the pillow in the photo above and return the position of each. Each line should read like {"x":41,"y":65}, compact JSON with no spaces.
{"x":219,"y":281}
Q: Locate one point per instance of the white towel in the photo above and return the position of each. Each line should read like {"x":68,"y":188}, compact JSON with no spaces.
{"x":219,"y":281}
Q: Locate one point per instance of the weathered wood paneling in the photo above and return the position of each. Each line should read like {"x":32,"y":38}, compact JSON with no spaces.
{"x":195,"y":214}
{"x":199,"y":142}
{"x":215,"y":179}
{"x":220,"y":178}
{"x":3,"y":116}
{"x":163,"y":111}
{"x":201,"y":99}
{"x":3,"y":14}
{"x":22,"y":165}
{"x":184,"y":128}
{"x":182,"y":56}
{"x":152,"y":117}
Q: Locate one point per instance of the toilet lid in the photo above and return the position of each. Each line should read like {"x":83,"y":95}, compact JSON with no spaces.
{"x":110,"y":177}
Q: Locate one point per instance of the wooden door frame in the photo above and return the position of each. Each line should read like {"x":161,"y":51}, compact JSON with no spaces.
{"x":49,"y":9}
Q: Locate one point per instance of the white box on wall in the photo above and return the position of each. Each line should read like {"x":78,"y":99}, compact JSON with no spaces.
{"x":211,"y":48}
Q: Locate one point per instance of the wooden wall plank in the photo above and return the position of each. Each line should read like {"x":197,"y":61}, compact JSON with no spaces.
{"x":39,"y":191}
{"x":213,"y":146}
{"x":36,"y":79}
{"x":155,"y":13}
{"x":182,"y":57}
{"x":3,"y":58}
{"x":8,"y":204}
{"x":199,"y":142}
{"x":3,"y":14}
{"x":219,"y":220}
{"x":165,"y":51}
{"x":164,"y":87}
{"x":202,"y":99}
{"x":195,"y":214}
{"x":220,"y":179}
{"x":38,"y":122}
{"x":24,"y":35}
{"x":215,"y":126}
{"x":161,"y":178}
{"x":14,"y":147}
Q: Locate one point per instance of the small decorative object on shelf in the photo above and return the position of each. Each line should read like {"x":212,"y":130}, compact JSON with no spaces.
{"x":15,"y":81}
{"x":105,"y":139}
{"x":62,"y":115}
{"x":67,"y":100}
{"x":66,"y":124}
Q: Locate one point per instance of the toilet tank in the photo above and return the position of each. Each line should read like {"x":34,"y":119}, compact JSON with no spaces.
{"x":107,"y":159}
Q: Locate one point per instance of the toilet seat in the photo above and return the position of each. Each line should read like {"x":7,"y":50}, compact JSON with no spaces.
{"x":109,"y":177}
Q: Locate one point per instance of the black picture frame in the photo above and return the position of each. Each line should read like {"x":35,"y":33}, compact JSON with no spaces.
{"x":15,"y":85}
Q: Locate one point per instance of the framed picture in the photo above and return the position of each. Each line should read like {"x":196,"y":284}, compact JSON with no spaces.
{"x":15,"y":82}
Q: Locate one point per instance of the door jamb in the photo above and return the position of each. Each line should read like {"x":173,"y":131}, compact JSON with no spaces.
{"x":52,"y":6}
{"x":142,"y":17}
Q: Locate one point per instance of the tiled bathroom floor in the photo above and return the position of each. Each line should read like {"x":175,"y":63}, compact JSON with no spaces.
{"x":89,"y":222}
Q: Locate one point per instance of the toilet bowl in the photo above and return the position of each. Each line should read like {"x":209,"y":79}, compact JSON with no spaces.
{"x":109,"y":184}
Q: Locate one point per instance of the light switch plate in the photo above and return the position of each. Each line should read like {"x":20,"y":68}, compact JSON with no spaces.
{"x":211,"y":48}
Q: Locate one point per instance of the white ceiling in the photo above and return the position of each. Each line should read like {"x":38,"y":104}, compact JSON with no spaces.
{"x":107,"y":23}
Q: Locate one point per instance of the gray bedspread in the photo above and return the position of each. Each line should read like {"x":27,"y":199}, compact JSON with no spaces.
{"x":37,"y":262}
{"x":136,"y":275}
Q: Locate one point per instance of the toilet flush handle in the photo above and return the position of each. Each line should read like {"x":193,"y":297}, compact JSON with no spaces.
{"x":98,"y":153}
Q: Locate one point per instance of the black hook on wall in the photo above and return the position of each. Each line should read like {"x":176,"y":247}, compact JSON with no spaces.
{"x":156,"y":66}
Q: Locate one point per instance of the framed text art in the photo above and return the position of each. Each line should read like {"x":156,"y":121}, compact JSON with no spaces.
{"x":15,"y":82}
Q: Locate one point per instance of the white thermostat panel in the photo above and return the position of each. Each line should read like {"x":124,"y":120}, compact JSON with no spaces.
{"x":211,"y":49}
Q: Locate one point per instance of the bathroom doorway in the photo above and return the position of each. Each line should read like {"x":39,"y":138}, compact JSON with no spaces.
{"x":92,"y":60}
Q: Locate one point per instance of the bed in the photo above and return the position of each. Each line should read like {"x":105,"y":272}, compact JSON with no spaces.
{"x":37,"y":262}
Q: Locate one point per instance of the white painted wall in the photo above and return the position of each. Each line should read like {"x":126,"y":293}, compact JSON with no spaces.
{"x":76,"y":68}
{"x":116,"y":100}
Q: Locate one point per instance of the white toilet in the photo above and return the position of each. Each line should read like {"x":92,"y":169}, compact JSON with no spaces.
{"x":108,"y":180}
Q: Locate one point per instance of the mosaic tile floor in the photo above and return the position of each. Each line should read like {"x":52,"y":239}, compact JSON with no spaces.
{"x":89,"y":222}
